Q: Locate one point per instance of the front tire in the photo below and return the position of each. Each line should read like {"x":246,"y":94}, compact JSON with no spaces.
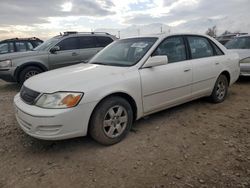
{"x":28,"y":72}
{"x":220,"y":89}
{"x":111,"y":120}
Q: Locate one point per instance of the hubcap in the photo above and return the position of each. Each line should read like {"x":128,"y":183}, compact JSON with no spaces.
{"x":115,"y":121}
{"x":221,"y":90}
{"x":30,"y":74}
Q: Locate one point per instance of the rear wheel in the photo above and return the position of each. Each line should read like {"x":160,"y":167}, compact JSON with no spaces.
{"x":220,"y":89}
{"x":28,"y":72}
{"x":111,"y":120}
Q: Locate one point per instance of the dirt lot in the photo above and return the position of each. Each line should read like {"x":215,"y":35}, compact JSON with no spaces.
{"x":198,"y":144}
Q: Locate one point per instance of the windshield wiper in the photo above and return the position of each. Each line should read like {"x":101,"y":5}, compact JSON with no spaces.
{"x":99,"y":63}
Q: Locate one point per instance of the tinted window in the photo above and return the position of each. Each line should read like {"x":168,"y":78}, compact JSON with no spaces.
{"x":174,"y":48}
{"x":87,"y":42}
{"x":29,"y":46}
{"x":239,"y":43}
{"x":11,"y":47}
{"x":21,"y":46}
{"x":103,"y":41}
{"x":4,"y":48}
{"x":68,"y":44}
{"x":217,"y":49}
{"x":200,"y":47}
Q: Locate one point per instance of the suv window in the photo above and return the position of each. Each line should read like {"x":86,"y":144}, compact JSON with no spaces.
{"x":68,"y":44}
{"x":20,"y":46}
{"x":200,"y":47}
{"x":29,"y":46}
{"x":174,"y":48}
{"x":87,"y":42}
{"x":103,"y":41}
{"x":4,"y":48}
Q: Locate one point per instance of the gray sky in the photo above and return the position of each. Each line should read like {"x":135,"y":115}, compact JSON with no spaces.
{"x":25,"y":18}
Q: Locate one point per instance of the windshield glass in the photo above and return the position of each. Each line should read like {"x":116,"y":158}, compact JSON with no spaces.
{"x":45,"y":45}
{"x":239,"y":43}
{"x":126,"y":52}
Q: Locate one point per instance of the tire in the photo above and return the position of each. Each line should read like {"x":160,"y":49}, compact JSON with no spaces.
{"x":111,"y":120}
{"x":28,"y":72}
{"x":220,"y":89}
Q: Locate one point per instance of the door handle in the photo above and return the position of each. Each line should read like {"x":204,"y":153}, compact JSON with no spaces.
{"x":74,"y":54}
{"x":187,"y":70}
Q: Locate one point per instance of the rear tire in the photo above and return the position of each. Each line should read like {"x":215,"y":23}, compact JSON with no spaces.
{"x":111,"y":120}
{"x":220,"y":89}
{"x":28,"y":72}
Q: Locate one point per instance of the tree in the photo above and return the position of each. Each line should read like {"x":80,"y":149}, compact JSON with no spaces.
{"x":212,"y":31}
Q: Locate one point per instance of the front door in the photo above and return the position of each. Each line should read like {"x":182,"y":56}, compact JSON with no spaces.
{"x":167,"y":85}
{"x":69,"y":53}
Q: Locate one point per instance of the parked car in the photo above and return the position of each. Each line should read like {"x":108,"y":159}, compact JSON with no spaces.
{"x":241,"y":45}
{"x":19,"y":45}
{"x":129,"y":79}
{"x":223,"y":39}
{"x":63,"y":50}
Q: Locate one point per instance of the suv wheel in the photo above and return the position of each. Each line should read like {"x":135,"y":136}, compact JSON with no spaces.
{"x":111,"y":121}
{"x":28,"y":72}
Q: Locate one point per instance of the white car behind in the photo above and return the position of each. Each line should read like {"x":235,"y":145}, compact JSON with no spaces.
{"x":241,"y":45}
{"x":129,"y":79}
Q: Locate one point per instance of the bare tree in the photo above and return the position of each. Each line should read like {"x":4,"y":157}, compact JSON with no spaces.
{"x":212,"y":31}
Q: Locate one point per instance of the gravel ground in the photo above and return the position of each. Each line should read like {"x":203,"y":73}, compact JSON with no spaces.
{"x":197,"y":144}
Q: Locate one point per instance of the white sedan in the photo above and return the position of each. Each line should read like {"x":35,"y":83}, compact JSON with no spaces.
{"x":129,"y":79}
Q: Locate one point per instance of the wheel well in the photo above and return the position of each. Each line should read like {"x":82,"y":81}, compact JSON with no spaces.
{"x":125,"y":96}
{"x":226,"y":73}
{"x":22,"y":67}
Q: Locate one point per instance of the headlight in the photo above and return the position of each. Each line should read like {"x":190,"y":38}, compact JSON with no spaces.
{"x":246,"y":60}
{"x":59,"y":100}
{"x":5,"y":63}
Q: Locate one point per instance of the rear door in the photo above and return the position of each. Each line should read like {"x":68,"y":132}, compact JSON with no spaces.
{"x":88,"y":47}
{"x":69,"y":53}
{"x":203,"y":62}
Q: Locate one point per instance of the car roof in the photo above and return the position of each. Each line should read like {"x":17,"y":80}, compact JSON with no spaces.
{"x":22,"y":39}
{"x":163,"y":35}
{"x":243,"y":36}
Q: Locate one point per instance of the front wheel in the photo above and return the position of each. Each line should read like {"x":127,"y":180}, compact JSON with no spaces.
{"x":220,"y":89}
{"x":28,"y":72}
{"x":111,"y":120}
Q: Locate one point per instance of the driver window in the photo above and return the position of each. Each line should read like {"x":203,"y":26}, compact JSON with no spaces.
{"x":68,"y":44}
{"x":174,"y":48}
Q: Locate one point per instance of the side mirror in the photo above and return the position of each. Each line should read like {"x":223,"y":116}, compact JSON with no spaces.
{"x":156,"y":61}
{"x":55,"y":49}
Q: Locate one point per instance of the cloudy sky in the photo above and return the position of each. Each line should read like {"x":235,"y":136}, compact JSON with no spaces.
{"x":47,"y":18}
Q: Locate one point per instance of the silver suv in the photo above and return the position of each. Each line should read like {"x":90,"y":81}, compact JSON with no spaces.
{"x":62,"y":50}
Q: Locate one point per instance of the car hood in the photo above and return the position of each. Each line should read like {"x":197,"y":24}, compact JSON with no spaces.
{"x":243,"y":53}
{"x":81,"y":77}
{"x":18,"y":55}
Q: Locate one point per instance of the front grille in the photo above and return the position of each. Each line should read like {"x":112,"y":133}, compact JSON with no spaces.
{"x":28,"y":95}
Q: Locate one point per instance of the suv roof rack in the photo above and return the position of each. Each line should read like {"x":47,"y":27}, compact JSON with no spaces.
{"x":75,"y":32}
{"x":31,"y":38}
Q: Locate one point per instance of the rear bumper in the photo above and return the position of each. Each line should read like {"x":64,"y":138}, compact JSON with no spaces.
{"x":7,"y":75}
{"x":245,"y":69}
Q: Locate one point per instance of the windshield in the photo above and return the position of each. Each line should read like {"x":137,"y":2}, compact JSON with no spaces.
{"x":239,"y":43}
{"x":126,"y":52}
{"x":45,"y":45}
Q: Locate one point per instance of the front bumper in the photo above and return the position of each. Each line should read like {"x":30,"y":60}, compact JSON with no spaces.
{"x":244,"y":69}
{"x":53,"y":124}
{"x":7,"y":75}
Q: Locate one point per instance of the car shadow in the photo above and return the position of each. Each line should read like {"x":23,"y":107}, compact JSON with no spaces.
{"x":243,"y":80}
